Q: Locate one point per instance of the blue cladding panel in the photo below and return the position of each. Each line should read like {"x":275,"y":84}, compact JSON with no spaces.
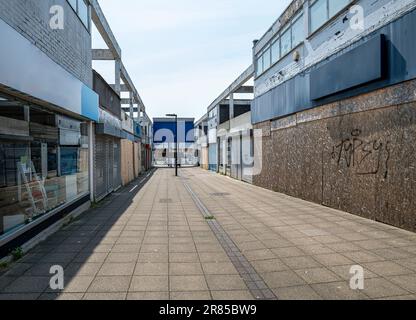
{"x":165,"y":131}
{"x":347,"y":71}
{"x":89,"y":104}
{"x":400,"y":65}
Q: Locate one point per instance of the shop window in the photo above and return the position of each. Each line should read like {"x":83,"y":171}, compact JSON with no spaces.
{"x":30,"y":184}
{"x":69,"y":160}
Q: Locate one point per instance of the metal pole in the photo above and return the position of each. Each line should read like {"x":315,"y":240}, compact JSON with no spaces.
{"x":177,"y":147}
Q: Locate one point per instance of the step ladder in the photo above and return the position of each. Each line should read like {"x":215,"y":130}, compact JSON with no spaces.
{"x":30,"y":188}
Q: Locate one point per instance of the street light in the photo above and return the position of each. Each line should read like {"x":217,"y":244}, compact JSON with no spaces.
{"x":176,"y":138}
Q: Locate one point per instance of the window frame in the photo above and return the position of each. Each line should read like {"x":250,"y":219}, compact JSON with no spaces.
{"x":328,"y":17}
{"x":273,"y":43}
{"x":278,"y":38}
{"x":296,"y":19}
{"x":283,"y":32}
{"x":77,"y":12}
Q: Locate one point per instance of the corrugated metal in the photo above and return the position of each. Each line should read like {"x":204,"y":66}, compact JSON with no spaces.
{"x":107,"y":171}
{"x":100,"y":170}
{"x":236,"y":157}
{"x":247,"y":152}
{"x":212,"y":157}
{"x":116,"y":164}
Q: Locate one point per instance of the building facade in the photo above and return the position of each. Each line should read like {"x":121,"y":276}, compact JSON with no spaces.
{"x":146,"y":147}
{"x":225,"y":133}
{"x":167,"y":135}
{"x":47,"y":107}
{"x":64,"y":139}
{"x":107,"y":140}
{"x":335,"y":100}
{"x":130,"y":150}
{"x":201,"y":142}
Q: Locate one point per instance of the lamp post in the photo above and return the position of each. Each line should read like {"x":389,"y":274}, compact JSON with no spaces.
{"x":177,"y":143}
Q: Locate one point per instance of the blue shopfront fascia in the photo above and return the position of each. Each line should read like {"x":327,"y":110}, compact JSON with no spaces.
{"x":25,"y":68}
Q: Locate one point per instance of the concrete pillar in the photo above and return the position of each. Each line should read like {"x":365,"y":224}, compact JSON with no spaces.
{"x":225,"y":154}
{"x":231,"y":106}
{"x":254,"y":57}
{"x":131,"y":105}
{"x":306,"y":18}
{"x":27,"y":113}
{"x":117,"y":76}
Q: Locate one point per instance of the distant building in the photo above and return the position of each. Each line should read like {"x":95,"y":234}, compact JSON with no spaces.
{"x":201,"y":142}
{"x":165,"y":135}
{"x":225,"y":133}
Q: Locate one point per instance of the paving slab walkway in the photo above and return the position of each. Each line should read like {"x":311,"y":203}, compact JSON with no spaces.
{"x":204,"y":236}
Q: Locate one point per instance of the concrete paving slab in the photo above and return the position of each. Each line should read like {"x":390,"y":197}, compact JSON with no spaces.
{"x":261,"y":244}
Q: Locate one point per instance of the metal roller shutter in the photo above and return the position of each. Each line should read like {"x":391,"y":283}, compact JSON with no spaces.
{"x":110,"y":161}
{"x":116,"y":164}
{"x":100,"y":170}
{"x":247,"y":156}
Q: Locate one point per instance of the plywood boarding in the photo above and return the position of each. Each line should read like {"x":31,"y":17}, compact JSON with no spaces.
{"x":127,"y":165}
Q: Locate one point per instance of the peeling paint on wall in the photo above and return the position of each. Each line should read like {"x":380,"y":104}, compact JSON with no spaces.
{"x":335,"y":43}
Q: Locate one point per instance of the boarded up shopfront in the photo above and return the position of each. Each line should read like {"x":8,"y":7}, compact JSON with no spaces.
{"x":107,"y":171}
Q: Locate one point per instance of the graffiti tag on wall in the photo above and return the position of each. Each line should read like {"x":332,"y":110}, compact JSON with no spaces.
{"x":365,"y":157}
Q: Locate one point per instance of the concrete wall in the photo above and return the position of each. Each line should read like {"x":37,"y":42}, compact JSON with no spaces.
{"x":70,"y":48}
{"x":242,"y":122}
{"x":357,"y":155}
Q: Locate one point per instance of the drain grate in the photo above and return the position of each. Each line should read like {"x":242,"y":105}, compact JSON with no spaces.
{"x":167,"y":200}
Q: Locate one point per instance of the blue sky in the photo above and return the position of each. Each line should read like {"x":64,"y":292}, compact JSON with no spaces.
{"x":181,"y":54}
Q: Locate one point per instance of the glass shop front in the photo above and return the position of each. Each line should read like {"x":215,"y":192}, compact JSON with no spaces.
{"x":43,"y":163}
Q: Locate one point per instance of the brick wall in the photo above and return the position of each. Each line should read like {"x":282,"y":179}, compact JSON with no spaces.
{"x":70,"y":48}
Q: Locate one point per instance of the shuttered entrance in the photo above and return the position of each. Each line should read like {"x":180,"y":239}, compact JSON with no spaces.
{"x":107,"y":161}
